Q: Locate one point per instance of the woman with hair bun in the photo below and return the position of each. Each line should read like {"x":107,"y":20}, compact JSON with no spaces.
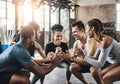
{"x":106,"y":63}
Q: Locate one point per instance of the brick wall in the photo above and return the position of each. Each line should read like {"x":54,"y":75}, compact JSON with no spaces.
{"x":106,"y":13}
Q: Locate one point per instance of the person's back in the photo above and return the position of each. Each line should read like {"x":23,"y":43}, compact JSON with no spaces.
{"x":114,"y":54}
{"x":16,"y":58}
{"x":11,"y":61}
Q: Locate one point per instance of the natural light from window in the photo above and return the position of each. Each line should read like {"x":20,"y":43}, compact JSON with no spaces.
{"x":27,"y":12}
{"x":40,"y":15}
{"x":118,"y":17}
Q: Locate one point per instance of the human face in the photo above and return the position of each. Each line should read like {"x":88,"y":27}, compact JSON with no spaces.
{"x":89,"y":31}
{"x":38,"y":33}
{"x":77,"y":33}
{"x":32,"y":39}
{"x":57,"y":37}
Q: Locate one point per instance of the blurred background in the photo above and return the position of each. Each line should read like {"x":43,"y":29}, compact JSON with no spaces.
{"x":16,"y":13}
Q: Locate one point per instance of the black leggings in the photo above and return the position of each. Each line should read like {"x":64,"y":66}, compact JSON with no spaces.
{"x":5,"y":77}
{"x":36,"y":78}
{"x":61,"y":65}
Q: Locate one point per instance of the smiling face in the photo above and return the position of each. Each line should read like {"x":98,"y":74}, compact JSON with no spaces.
{"x":89,"y":31}
{"x":38,"y":33}
{"x":77,"y":33}
{"x":93,"y":28}
{"x":33,"y":37}
{"x":57,"y":37}
{"x":37,"y":29}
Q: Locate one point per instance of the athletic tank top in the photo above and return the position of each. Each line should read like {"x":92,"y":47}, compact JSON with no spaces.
{"x":86,"y":49}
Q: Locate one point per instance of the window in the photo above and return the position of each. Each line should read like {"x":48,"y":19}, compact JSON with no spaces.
{"x":118,"y":17}
{"x":40,"y":15}
{"x":7,"y":14}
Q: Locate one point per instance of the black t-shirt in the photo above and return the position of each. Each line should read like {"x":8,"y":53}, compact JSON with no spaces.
{"x":50,"y":47}
{"x":0,"y":48}
{"x":31,"y":49}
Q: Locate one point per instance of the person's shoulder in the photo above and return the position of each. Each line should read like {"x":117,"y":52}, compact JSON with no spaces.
{"x":19,"y":47}
{"x":76,"y":42}
{"x":92,"y":41}
{"x":63,"y":43}
{"x":106,"y":41}
{"x":50,"y":43}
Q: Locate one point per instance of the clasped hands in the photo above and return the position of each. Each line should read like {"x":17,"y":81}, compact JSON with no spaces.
{"x":78,"y":53}
{"x":58,"y":56}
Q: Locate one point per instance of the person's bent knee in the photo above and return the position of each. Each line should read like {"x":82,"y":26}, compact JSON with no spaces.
{"x":25,"y":81}
{"x":74,"y":67}
{"x":18,"y":80}
{"x":108,"y":78}
{"x":94,"y":71}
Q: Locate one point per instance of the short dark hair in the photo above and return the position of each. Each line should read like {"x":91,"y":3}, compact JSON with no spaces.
{"x":79,"y":24}
{"x":57,"y":27}
{"x":26,"y":32}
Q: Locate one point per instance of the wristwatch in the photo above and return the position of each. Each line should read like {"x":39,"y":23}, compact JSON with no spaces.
{"x":72,"y":59}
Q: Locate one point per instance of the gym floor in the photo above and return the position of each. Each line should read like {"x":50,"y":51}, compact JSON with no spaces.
{"x":58,"y":76}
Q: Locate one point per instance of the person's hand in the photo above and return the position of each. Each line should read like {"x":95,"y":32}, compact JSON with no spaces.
{"x":67,"y":55}
{"x":24,"y":72}
{"x":50,"y":56}
{"x":58,"y":57}
{"x":78,"y":52}
{"x":58,"y":49}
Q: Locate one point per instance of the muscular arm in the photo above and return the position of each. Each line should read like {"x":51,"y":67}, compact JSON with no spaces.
{"x":41,"y":60}
{"x":44,"y":69}
{"x":39,"y":48}
{"x":40,"y":70}
{"x":92,"y":48}
{"x":75,"y":46}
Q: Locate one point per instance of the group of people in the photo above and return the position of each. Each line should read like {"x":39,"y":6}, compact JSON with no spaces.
{"x":93,"y":52}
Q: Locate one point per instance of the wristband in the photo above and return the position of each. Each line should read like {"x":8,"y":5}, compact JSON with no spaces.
{"x":72,"y":59}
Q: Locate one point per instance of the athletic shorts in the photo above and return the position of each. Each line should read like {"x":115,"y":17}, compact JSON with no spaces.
{"x":105,"y":65}
{"x":5,"y":78}
{"x":85,"y":69}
